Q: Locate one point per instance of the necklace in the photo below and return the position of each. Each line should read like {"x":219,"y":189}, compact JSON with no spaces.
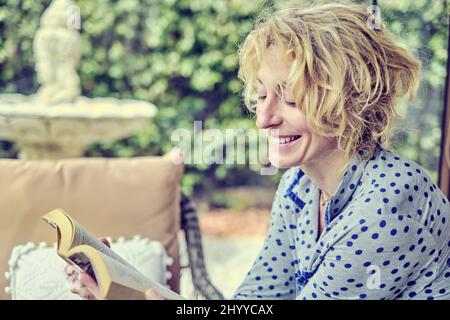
{"x":323,"y":201}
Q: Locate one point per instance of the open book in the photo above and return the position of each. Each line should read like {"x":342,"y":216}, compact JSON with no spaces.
{"x":116,"y":278}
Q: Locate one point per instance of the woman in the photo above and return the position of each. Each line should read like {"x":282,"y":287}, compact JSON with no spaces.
{"x":351,"y":219}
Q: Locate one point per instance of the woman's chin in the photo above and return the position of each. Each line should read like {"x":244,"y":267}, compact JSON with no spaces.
{"x":281,"y":162}
{"x":286,"y":155}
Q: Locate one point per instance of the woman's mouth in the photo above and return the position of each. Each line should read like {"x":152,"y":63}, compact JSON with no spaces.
{"x":284,"y":139}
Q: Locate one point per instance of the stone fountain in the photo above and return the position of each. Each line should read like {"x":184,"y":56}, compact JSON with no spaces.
{"x":57,"y":122}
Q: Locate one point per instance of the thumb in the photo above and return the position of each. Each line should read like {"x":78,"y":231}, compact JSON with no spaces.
{"x":90,"y":283}
{"x":105,"y":241}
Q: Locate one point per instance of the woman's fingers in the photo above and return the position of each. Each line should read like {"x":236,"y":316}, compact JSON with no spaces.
{"x":89,"y":296}
{"x":90,"y":284}
{"x":77,"y":285}
{"x":81,"y":283}
{"x":82,"y":292}
{"x":152,"y":295}
{"x":87,"y":288}
{"x":69,"y":270}
{"x":72,"y":278}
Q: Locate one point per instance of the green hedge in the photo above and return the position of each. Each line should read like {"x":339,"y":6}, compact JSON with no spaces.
{"x":181,"y":56}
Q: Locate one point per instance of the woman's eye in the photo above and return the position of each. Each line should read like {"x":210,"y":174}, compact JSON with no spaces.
{"x":261,"y":97}
{"x":290,"y":103}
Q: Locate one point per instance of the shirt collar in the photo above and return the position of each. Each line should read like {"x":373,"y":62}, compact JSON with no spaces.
{"x":293,"y":190}
{"x":343,"y":194}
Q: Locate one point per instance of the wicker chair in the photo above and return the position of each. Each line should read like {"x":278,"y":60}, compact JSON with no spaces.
{"x":200,"y":278}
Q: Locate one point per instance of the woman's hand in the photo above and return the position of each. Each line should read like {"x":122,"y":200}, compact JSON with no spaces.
{"x":152,"y":295}
{"x":87,"y":288}
{"x":83,"y":284}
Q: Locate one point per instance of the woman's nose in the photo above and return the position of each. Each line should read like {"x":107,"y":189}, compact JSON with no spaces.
{"x":267,"y":114}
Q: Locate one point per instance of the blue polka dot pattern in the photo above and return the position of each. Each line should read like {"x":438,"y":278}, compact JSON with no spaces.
{"x":386,"y":236}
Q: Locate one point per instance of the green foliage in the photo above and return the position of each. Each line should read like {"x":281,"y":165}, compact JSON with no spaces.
{"x":421,"y":27}
{"x":181,"y":56}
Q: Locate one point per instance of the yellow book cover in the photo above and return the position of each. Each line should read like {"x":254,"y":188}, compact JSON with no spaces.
{"x":117,"y":279}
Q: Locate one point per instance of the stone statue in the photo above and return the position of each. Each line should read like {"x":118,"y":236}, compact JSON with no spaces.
{"x":57,"y":52}
{"x":57,"y":122}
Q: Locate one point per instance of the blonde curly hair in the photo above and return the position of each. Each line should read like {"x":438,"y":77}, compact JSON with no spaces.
{"x":346,"y":76}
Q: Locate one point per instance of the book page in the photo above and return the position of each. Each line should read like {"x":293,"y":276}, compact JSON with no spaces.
{"x":136,"y":280}
{"x":117,"y":271}
{"x":84,"y":237}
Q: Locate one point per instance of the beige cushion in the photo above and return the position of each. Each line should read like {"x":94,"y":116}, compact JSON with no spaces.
{"x":110,"y":197}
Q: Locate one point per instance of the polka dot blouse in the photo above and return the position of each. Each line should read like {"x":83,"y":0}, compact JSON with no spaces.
{"x":387,"y":236}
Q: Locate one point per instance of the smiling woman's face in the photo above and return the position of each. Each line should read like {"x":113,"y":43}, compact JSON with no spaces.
{"x":291,"y":141}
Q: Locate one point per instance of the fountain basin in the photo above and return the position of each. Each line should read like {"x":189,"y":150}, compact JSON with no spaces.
{"x":65,"y":130}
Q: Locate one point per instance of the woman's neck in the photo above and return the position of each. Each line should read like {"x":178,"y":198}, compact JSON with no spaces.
{"x":325,"y":172}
